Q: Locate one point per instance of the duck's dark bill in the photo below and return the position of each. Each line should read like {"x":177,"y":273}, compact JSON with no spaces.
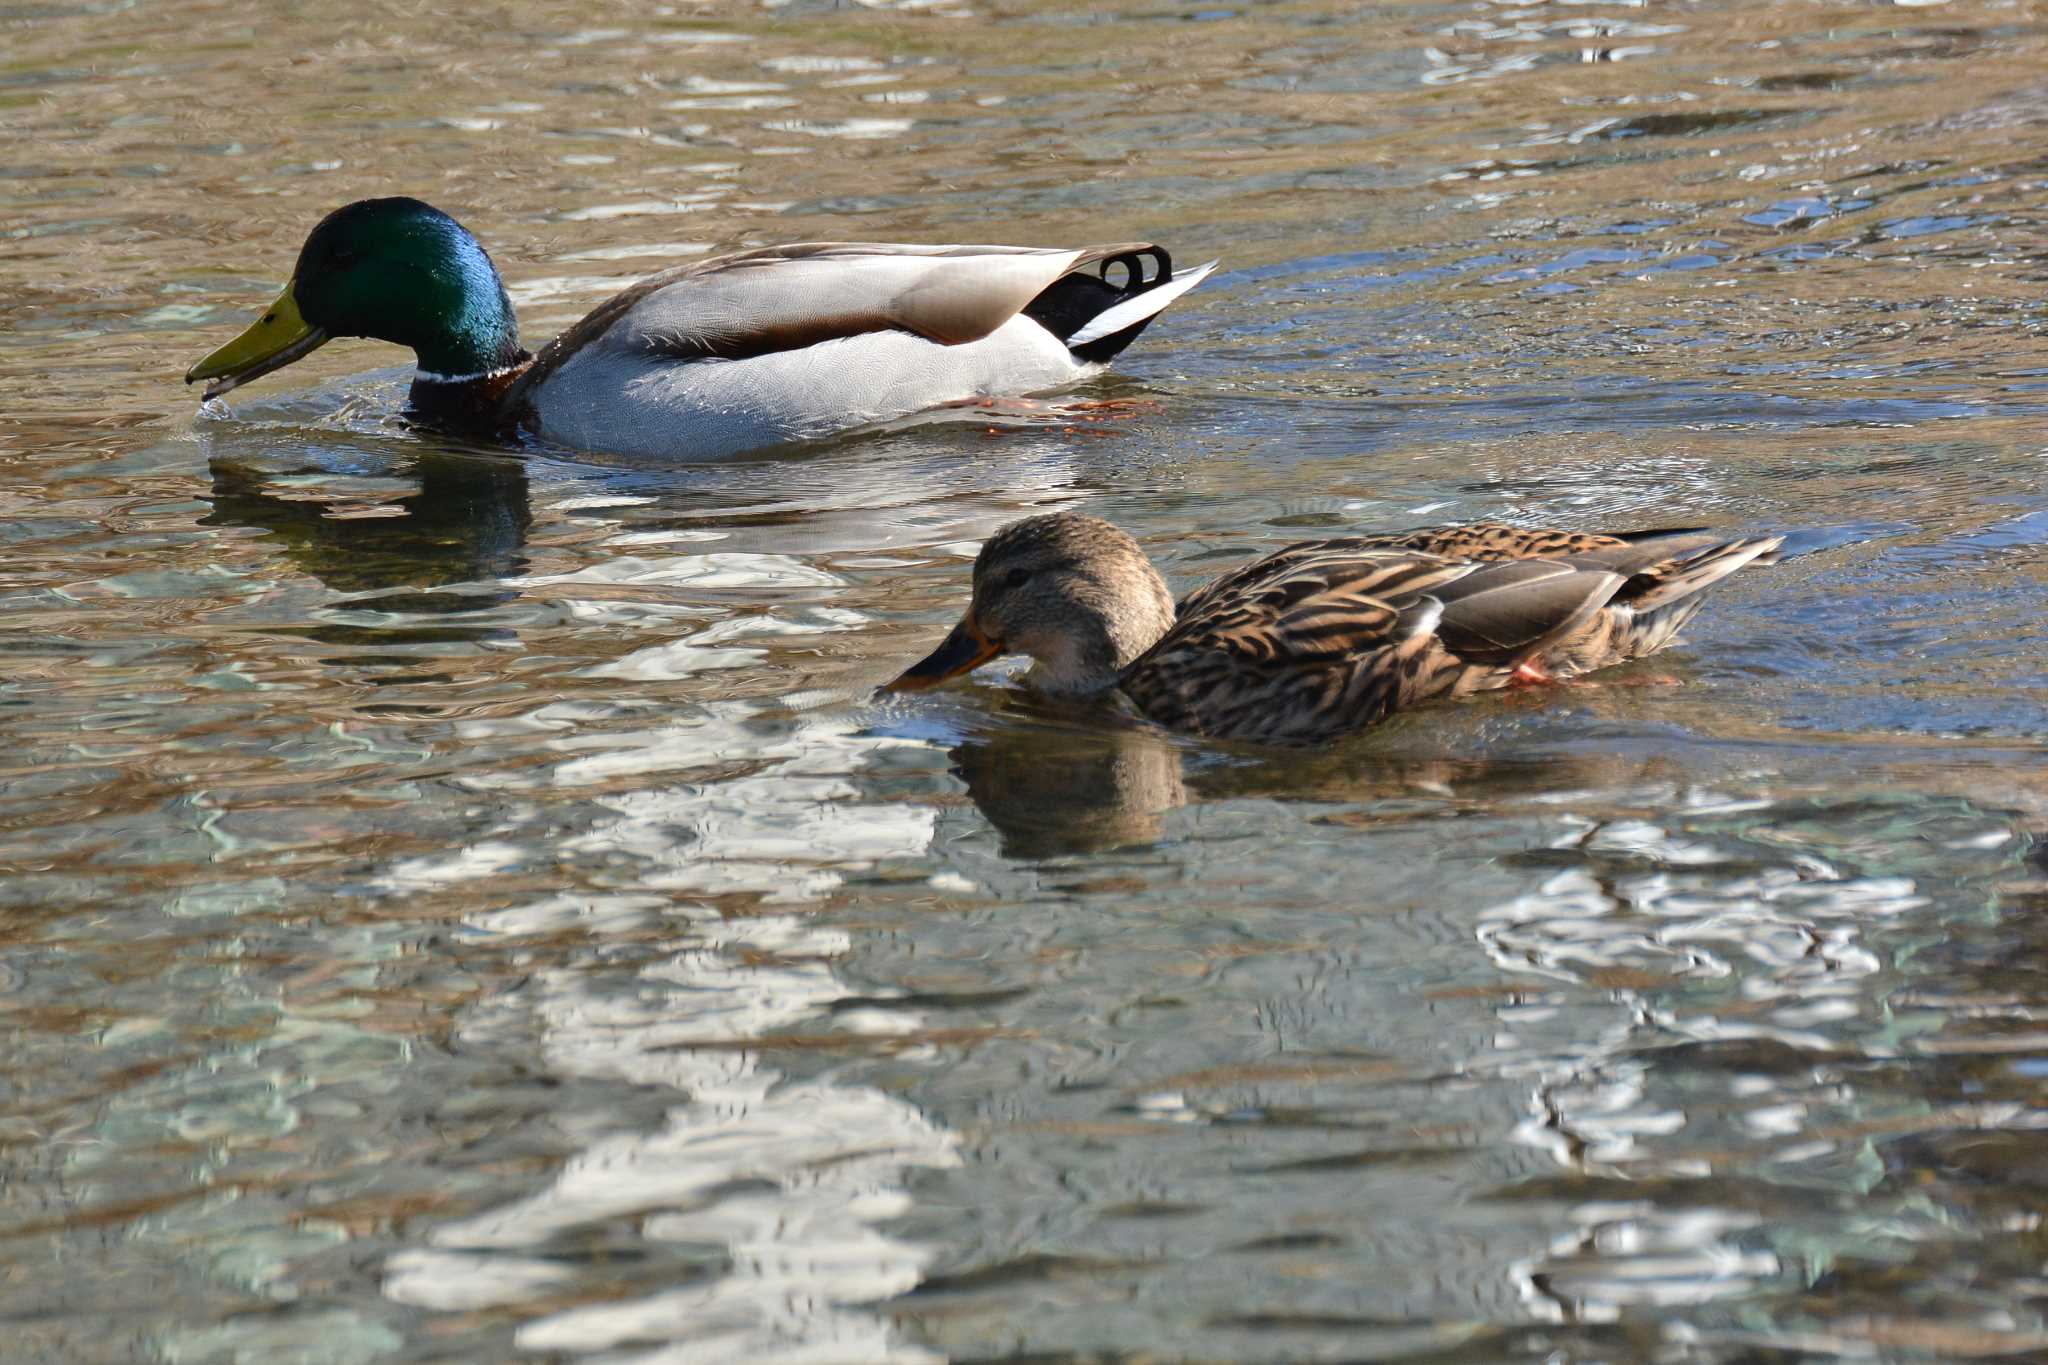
{"x":271,"y":342}
{"x":963,"y":651}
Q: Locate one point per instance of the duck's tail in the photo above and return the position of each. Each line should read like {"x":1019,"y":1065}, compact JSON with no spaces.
{"x":1661,"y":597}
{"x":1097,"y":318}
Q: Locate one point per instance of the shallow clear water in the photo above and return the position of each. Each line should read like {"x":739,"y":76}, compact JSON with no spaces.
{"x":462,"y":906}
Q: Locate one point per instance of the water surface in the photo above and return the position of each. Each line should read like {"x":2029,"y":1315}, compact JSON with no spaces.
{"x":460,"y":905}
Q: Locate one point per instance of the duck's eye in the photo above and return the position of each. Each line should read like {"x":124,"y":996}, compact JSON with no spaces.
{"x":1015,"y":578}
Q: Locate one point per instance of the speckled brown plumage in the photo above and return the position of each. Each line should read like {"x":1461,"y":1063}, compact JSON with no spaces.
{"x":1326,"y":637}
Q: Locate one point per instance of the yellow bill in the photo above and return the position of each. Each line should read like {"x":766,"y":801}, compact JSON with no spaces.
{"x":271,"y":342}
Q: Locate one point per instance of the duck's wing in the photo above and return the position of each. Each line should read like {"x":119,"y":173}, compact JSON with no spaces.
{"x":1301,"y":565}
{"x":785,"y":298}
{"x":1329,"y":636}
{"x":1493,"y":540}
{"x":1624,"y":552}
{"x":1664,"y":572}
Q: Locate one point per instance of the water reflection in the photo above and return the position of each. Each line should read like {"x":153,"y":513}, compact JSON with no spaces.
{"x":465,"y":521}
{"x":1055,"y":781}
{"x":1739,"y":960}
{"x":614,"y":983}
{"x":764,"y":1189}
{"x":443,"y":520}
{"x":1052,"y":784}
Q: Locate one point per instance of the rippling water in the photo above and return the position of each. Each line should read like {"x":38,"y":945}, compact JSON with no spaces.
{"x":461,"y":906}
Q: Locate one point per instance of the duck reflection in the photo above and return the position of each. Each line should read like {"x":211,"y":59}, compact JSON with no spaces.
{"x":465,"y":522}
{"x":1053,"y":788}
{"x":1054,"y":784}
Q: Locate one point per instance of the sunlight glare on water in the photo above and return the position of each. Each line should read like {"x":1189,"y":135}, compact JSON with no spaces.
{"x":465,"y":904}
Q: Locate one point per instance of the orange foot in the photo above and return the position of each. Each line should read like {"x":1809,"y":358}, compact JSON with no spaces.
{"x":1535,"y":675}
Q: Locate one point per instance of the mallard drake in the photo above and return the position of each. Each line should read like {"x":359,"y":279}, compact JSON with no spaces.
{"x":1328,"y":636}
{"x":786,"y":343}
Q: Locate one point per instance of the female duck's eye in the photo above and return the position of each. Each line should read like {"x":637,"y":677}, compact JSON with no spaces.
{"x":1015,"y":577}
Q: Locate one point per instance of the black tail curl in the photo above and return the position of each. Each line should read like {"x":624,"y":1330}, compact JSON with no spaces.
{"x":1073,"y":301}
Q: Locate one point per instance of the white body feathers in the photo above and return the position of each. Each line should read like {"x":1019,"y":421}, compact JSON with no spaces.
{"x":823,"y":338}
{"x":608,"y":398}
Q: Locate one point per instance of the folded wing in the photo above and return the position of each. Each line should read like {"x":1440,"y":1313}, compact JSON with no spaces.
{"x":787,"y":297}
{"x":1330,"y":636}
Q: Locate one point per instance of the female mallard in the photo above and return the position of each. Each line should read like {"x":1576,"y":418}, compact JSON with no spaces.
{"x":1328,"y":636}
{"x":785,"y":343}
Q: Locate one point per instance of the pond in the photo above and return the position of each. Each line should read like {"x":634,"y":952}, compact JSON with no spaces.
{"x":466,"y":904}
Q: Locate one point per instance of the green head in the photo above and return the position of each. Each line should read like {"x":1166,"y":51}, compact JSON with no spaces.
{"x":395,"y":269}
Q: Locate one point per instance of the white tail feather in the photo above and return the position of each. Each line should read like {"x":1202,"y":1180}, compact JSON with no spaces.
{"x":1139,"y":306}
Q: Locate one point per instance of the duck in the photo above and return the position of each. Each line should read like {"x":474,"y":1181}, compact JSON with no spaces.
{"x":736,"y":352}
{"x":1324,"y":638}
